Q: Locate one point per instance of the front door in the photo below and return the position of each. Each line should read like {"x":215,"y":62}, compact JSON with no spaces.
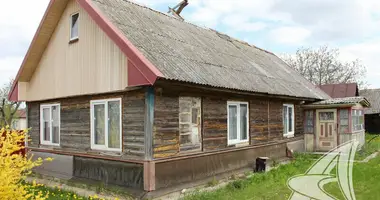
{"x":326,"y":129}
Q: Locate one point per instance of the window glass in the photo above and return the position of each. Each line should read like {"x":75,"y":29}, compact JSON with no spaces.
{"x":357,"y":120}
{"x":309,"y":123}
{"x":114,"y":124}
{"x":232,"y":116}
{"x":55,"y":124}
{"x":106,"y":124}
{"x":50,"y":124}
{"x":343,"y":124}
{"x":74,"y":26}
{"x":237,"y":122}
{"x":243,"y":121}
{"x":99,"y":124}
{"x":46,"y":124}
{"x":288,"y":119}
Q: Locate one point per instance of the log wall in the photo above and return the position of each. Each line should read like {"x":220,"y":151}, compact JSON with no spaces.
{"x":75,"y":133}
{"x":265,"y":120}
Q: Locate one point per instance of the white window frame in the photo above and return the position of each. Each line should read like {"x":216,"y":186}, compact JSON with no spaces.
{"x":288,"y":133}
{"x":42,"y":141}
{"x":105,"y":146}
{"x":71,"y":26}
{"x":358,"y":114}
{"x":238,"y":140}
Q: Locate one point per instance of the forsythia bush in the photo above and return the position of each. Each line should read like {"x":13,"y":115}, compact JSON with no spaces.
{"x":14,"y":167}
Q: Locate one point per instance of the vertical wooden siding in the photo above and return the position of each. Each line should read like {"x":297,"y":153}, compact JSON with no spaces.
{"x":93,"y":64}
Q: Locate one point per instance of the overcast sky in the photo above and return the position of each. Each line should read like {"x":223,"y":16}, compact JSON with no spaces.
{"x":280,"y":26}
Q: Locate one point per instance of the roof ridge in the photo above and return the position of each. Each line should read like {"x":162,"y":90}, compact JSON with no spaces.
{"x":370,"y":89}
{"x":198,"y":26}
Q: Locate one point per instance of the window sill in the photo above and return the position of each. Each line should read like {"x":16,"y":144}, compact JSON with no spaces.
{"x":73,"y":40}
{"x":106,"y":150}
{"x":49,"y":144}
{"x":289,"y":136}
{"x":239,"y":144}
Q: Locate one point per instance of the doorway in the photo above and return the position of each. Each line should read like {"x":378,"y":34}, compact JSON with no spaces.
{"x":326,"y":138}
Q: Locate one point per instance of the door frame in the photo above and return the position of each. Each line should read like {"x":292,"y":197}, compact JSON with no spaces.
{"x":317,"y":133}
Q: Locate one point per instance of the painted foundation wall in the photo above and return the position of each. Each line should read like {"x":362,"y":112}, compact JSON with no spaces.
{"x":359,"y":136}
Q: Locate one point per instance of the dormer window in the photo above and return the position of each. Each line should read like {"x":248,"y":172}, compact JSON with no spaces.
{"x":74,"y":26}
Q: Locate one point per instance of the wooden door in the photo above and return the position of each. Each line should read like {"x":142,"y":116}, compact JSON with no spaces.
{"x":326,"y":138}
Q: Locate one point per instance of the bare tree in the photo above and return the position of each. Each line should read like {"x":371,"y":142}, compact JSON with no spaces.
{"x":322,"y":66}
{"x":8,"y":109}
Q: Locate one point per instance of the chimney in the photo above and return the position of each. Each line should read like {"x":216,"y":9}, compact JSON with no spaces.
{"x":176,"y":10}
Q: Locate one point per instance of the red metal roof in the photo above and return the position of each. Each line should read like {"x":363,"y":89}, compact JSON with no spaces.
{"x":341,"y":90}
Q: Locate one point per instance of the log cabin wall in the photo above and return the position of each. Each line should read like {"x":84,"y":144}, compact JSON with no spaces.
{"x":265,"y":119}
{"x":75,"y":131}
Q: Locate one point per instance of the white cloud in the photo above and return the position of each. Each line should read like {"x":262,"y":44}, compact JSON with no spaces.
{"x":19,"y":20}
{"x":240,"y":23}
{"x":8,"y":68}
{"x":290,"y":35}
{"x":368,"y":52}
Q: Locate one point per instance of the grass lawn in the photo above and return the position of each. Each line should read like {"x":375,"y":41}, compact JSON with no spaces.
{"x":272,"y":185}
{"x":56,"y":193}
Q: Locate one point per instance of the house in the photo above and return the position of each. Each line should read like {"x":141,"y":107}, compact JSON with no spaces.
{"x":372,"y":114}
{"x":332,"y":122}
{"x":19,"y":122}
{"x":119,"y":93}
{"x":341,"y":90}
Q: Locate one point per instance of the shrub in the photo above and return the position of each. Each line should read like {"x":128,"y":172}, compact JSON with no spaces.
{"x":14,"y":167}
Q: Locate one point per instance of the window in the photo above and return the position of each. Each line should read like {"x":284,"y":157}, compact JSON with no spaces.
{"x":74,"y":26}
{"x":106,"y":124}
{"x":190,"y":123}
{"x":288,"y":120}
{"x":50,"y":124}
{"x":237,"y":122}
{"x":357,"y":120}
{"x":309,"y":121}
{"x":343,"y":121}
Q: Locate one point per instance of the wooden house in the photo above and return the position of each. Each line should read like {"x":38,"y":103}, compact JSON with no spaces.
{"x":372,"y":114}
{"x":120,"y":93}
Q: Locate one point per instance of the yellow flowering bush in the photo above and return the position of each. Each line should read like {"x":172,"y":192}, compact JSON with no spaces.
{"x":14,"y":167}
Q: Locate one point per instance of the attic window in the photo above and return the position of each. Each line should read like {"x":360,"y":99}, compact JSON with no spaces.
{"x":74,"y":26}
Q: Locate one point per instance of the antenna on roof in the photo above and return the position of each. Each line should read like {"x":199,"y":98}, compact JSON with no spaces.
{"x":179,"y":8}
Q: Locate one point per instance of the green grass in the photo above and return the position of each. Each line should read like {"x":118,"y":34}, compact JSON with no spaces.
{"x":57,"y":194}
{"x":371,"y":146}
{"x":272,"y":185}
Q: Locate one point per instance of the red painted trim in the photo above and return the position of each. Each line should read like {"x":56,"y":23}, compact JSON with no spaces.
{"x":149,"y":176}
{"x":135,"y":77}
{"x":149,"y":72}
{"x":338,"y":126}
{"x":13,"y":94}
